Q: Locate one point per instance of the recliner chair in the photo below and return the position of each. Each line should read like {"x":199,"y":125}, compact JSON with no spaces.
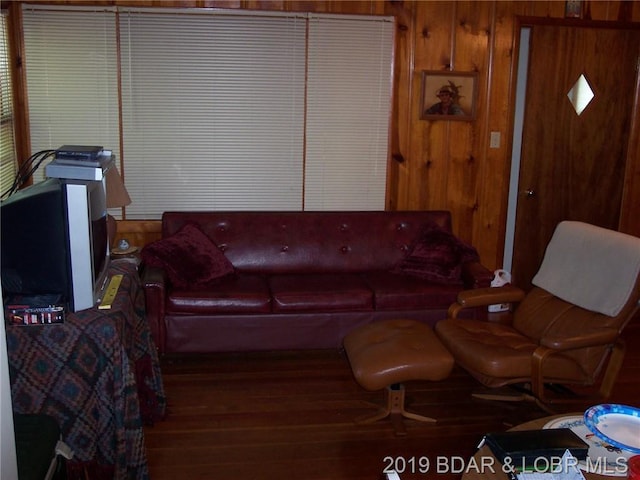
{"x":566,"y":329}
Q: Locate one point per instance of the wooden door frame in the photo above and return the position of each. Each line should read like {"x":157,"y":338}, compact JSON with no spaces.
{"x":629,"y":218}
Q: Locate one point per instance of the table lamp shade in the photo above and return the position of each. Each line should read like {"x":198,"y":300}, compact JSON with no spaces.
{"x":117,"y":195}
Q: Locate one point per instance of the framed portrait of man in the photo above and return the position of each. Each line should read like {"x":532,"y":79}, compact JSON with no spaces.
{"x":448,"y":96}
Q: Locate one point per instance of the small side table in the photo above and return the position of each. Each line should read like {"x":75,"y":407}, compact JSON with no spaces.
{"x":130,"y":252}
{"x":490,"y":467}
{"x":98,"y":375}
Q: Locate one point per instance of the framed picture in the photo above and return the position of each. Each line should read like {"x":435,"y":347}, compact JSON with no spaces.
{"x":448,"y":96}
{"x":573,"y":9}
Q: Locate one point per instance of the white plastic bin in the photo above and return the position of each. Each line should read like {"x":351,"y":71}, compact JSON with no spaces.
{"x":500,"y":279}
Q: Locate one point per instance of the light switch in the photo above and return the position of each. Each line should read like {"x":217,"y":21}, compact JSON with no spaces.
{"x":494,"y":142}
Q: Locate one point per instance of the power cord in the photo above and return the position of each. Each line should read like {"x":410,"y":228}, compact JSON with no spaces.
{"x":26,"y":170}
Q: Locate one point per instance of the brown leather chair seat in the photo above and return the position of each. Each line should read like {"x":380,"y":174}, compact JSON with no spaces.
{"x":387,"y":353}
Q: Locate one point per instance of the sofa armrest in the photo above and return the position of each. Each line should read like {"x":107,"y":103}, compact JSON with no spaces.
{"x":482,"y":297}
{"x":154,"y":282}
{"x":476,"y":275}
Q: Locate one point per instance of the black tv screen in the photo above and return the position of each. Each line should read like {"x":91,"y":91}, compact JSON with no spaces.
{"x":54,"y":241}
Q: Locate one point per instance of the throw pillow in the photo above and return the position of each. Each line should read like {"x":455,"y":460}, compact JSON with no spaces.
{"x":189,"y":257}
{"x":437,"y":256}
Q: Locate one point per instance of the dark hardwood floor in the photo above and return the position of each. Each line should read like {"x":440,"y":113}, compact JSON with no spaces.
{"x":287,"y":415}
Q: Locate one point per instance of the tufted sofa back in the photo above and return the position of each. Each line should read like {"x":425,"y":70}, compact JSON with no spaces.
{"x":287,"y":242}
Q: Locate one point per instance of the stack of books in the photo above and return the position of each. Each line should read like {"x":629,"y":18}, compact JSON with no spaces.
{"x":536,"y":451}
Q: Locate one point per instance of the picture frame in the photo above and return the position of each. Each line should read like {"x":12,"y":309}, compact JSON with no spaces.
{"x":449,"y":96}
{"x":573,"y":9}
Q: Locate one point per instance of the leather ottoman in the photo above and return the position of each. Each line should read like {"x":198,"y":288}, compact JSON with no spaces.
{"x":387,"y":353}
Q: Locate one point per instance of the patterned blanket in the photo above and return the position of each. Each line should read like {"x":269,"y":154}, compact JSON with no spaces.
{"x":98,"y":375}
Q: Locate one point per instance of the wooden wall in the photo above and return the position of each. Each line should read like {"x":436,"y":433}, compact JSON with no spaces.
{"x":440,"y":165}
{"x":449,"y":165}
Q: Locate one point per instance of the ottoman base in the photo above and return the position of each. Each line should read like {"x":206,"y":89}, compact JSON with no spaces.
{"x":395,"y":411}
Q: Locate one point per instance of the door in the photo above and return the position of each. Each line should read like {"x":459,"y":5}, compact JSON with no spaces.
{"x":572,"y":165}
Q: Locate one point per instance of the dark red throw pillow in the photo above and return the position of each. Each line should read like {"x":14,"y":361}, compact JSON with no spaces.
{"x":189,"y":257}
{"x":437,"y":256}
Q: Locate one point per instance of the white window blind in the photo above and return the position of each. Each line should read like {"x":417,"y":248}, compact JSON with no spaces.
{"x":349,"y":92}
{"x":219,"y":110}
{"x":8,"y":162}
{"x":72,"y":83}
{"x":213,"y":111}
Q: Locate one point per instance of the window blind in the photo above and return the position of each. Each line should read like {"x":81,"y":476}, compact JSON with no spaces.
{"x":7,"y":145}
{"x":71,"y":70}
{"x":350,"y":65}
{"x":219,"y":110}
{"x":213,"y":111}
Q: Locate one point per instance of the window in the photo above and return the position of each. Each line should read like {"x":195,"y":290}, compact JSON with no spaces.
{"x":213,"y":111}
{"x":8,"y":161}
{"x":71,"y":69}
{"x":218,"y":110}
{"x":348,"y":105}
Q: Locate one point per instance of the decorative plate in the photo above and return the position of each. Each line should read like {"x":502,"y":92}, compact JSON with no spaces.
{"x":603,"y":458}
{"x":617,"y":424}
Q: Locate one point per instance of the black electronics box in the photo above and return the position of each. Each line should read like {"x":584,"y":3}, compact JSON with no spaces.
{"x":523,"y":449}
{"x":78,"y":152}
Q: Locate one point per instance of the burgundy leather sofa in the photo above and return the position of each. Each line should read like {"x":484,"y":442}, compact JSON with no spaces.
{"x":302,"y":280}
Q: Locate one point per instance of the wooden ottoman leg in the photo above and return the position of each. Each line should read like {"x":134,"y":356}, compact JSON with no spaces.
{"x":395,"y":410}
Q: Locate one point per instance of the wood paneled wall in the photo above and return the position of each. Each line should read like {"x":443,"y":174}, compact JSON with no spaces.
{"x":450,"y":165}
{"x":440,"y":164}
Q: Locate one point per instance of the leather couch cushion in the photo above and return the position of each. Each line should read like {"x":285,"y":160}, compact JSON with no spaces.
{"x":403,"y":292}
{"x":242,"y":293}
{"x":319,"y":242}
{"x":320,"y":292}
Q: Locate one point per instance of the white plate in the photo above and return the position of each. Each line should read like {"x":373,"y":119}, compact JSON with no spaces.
{"x":617,"y":424}
{"x":603,"y":458}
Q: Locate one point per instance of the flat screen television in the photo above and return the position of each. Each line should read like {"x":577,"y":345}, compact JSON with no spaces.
{"x":54,"y":241}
